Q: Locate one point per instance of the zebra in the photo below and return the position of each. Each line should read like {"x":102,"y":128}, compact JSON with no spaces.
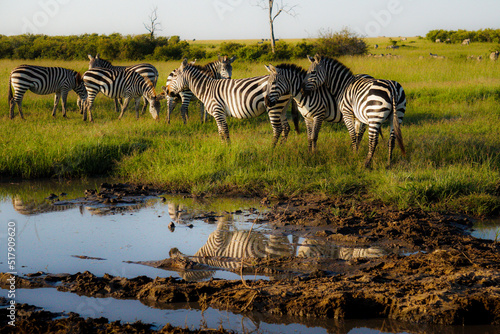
{"x":45,"y":80}
{"x":120,"y":84}
{"x":312,"y":248}
{"x":227,"y":248}
{"x":239,"y":98}
{"x":145,"y":69}
{"x":316,"y":107}
{"x":361,"y":100}
{"x":219,"y":69}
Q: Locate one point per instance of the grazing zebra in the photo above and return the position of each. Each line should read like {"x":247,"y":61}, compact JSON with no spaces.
{"x":120,"y":84}
{"x":362,"y":100}
{"x":316,"y":107}
{"x":45,"y":80}
{"x":145,"y":69}
{"x":240,"y":98}
{"x":219,"y":69}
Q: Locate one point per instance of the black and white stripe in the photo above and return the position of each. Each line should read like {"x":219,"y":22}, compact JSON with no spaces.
{"x":240,"y":98}
{"x":219,"y":69}
{"x":316,"y":107}
{"x":362,"y":101}
{"x":144,"y":69}
{"x":120,"y":84}
{"x":42,"y":81}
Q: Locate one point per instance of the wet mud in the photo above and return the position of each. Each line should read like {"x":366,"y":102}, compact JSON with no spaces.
{"x":434,"y":272}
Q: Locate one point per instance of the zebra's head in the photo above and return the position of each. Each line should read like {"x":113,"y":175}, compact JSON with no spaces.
{"x":224,"y":68}
{"x":153,"y":99}
{"x":276,"y":86}
{"x":316,"y":75}
{"x":97,"y":61}
{"x":178,"y":80}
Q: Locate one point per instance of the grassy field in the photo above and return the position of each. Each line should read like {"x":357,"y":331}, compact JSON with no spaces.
{"x":451,"y":131}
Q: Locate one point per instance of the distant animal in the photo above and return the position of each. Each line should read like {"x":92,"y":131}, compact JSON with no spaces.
{"x":219,"y":69}
{"x":466,"y":41}
{"x":438,"y":40}
{"x":42,"y":81}
{"x":144,"y":69}
{"x":241,"y":98}
{"x":362,"y":101}
{"x":494,"y":55}
{"x":375,"y":46}
{"x":120,"y":84}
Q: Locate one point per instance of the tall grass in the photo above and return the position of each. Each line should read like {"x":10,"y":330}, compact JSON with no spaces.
{"x":450,"y":130}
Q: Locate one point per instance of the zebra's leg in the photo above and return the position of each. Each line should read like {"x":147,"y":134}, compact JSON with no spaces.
{"x":317,"y":122}
{"x":145,"y":105}
{"x":285,"y":126}
{"x":137,"y":104}
{"x":13,"y":104}
{"x":275,"y":118}
{"x":117,"y":105}
{"x":360,"y":131}
{"x":220,"y":119}
{"x":349,"y":123}
{"x":372,"y":142}
{"x":203,"y":116}
{"x":309,"y":129}
{"x":64,"y":99}
{"x":90,"y":105}
{"x":124,"y":107}
{"x":171,"y":103}
{"x":56,"y":103}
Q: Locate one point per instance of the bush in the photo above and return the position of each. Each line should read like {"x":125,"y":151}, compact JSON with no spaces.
{"x":344,"y":42}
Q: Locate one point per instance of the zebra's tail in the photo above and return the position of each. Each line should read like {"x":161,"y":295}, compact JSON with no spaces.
{"x":295,"y":116}
{"x":11,"y":96}
{"x":395,"y":121}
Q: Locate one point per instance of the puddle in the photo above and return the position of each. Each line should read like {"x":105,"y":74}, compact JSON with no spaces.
{"x":134,"y":239}
{"x":191,"y":316}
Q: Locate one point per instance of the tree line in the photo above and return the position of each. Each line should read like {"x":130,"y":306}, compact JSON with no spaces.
{"x":458,"y":36}
{"x":144,"y":47}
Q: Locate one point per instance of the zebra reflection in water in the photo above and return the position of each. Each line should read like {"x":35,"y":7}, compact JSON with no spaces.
{"x":230,"y":249}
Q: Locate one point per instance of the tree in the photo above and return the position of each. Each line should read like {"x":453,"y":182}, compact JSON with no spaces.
{"x":152,"y":25}
{"x":270,"y":6}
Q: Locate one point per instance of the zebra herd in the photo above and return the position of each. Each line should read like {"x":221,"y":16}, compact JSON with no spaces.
{"x":327,"y":91}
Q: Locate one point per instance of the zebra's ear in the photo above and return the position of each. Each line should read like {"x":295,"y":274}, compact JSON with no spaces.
{"x":90,"y":57}
{"x":192,"y":62}
{"x":184,"y":63}
{"x":311,"y":59}
{"x":271,"y":69}
{"x":97,"y":56}
{"x":233,"y":58}
{"x":317,"y":57}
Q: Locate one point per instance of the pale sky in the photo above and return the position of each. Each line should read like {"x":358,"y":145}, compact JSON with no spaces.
{"x":242,"y":19}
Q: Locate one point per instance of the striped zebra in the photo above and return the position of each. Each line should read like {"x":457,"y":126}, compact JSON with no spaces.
{"x":45,"y":80}
{"x":361,"y":100}
{"x":145,"y":69}
{"x":120,"y":84}
{"x":317,"y":106}
{"x":226,"y":248}
{"x":311,"y":248}
{"x":219,"y":69}
{"x":240,"y":98}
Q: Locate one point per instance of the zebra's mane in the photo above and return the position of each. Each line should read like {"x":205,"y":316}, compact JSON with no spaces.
{"x":330,"y":62}
{"x":293,"y":68}
{"x":105,"y":61}
{"x":78,"y":79}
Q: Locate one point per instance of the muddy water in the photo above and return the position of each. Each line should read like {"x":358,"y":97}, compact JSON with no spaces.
{"x":56,"y":234}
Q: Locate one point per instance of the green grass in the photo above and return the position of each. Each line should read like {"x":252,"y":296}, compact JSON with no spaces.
{"x":450,"y":130}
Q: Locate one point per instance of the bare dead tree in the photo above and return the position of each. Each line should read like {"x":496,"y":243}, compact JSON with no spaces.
{"x":272,"y":6}
{"x":152,"y":26}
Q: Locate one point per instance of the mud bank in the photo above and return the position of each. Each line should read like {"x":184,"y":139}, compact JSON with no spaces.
{"x":440,"y":275}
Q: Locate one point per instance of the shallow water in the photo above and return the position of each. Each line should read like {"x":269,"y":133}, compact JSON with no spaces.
{"x":69,"y":238}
